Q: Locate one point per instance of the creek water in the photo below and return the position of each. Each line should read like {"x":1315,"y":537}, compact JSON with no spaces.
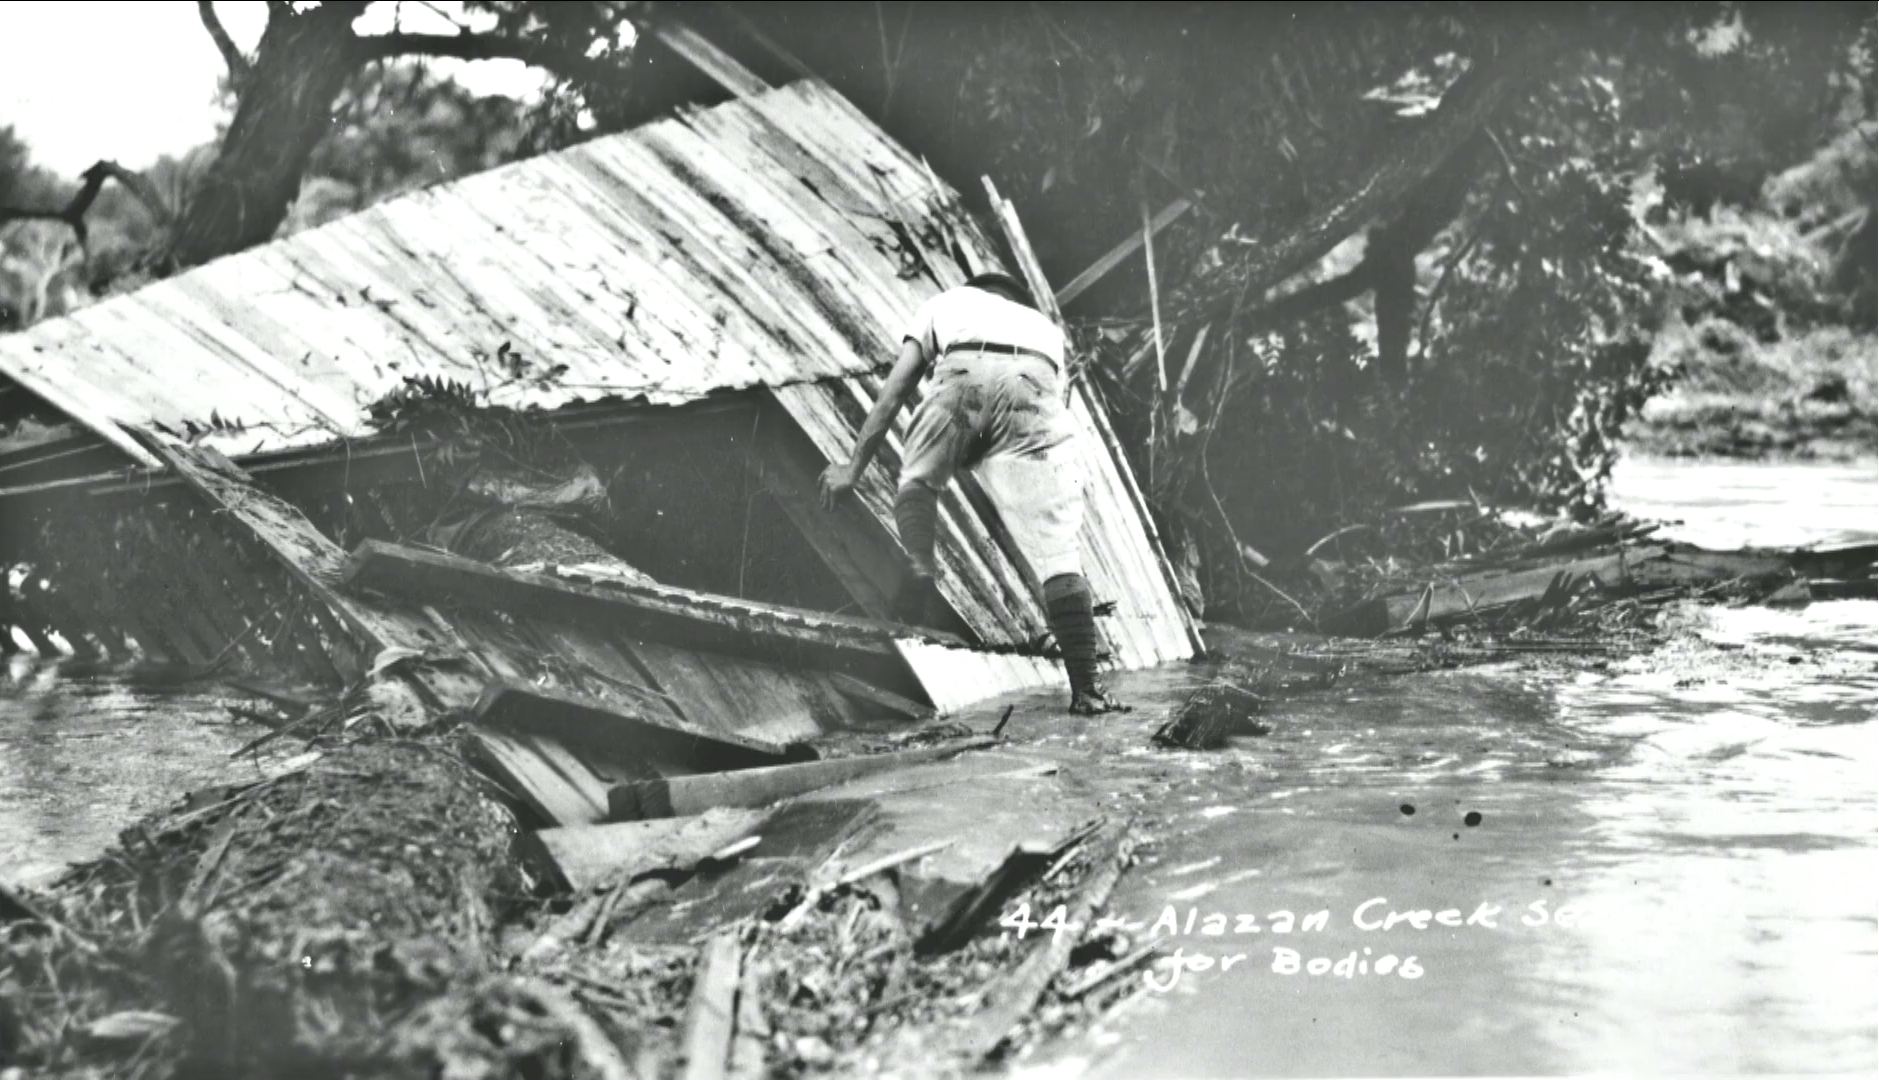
{"x":1667,"y":866}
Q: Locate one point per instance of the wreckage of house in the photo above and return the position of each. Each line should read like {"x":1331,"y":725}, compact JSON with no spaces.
{"x":707,"y":305}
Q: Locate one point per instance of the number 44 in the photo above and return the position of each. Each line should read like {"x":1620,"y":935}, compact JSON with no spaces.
{"x":1020,"y":920}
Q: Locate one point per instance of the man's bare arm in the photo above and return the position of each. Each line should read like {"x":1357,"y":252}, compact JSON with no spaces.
{"x":841,"y":477}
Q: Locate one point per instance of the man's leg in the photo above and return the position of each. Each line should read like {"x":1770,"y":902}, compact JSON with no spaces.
{"x":916,"y":512}
{"x":935,"y":445}
{"x":1035,"y":478}
{"x":1068,"y":603}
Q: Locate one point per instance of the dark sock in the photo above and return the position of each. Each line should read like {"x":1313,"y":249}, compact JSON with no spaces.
{"x":916,"y":512}
{"x":1070,"y":608}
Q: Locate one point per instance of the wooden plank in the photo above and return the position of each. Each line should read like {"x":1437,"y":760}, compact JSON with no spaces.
{"x":585,"y":856}
{"x":1453,"y":599}
{"x":680,"y":796}
{"x":616,"y":730}
{"x":1114,"y":256}
{"x":673,"y":615}
{"x":874,"y":695}
{"x":958,"y":678}
{"x":709,"y":1015}
{"x":559,"y":787}
{"x":796,"y":840}
{"x":997,"y":826}
{"x":720,"y":66}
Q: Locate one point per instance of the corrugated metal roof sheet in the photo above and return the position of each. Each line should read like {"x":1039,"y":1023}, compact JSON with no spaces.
{"x":750,"y":244}
{"x":747,"y":244}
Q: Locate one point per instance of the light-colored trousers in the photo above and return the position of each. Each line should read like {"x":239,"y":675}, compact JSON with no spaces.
{"x":1003,"y":418}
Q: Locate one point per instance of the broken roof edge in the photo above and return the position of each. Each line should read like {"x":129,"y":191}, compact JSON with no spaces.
{"x":184,"y":316}
{"x":146,"y":472}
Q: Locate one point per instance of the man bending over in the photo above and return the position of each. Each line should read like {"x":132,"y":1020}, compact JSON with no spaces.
{"x":996,"y":407}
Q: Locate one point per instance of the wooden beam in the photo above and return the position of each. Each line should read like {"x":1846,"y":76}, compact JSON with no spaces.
{"x":579,"y":721}
{"x":676,"y":616}
{"x":584,"y":856}
{"x":685,"y":795}
{"x":1445,"y":600}
{"x":717,"y":64}
{"x":1115,"y":256}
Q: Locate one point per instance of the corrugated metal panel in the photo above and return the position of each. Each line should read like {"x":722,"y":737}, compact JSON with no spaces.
{"x":734,"y":247}
{"x":749,"y":244}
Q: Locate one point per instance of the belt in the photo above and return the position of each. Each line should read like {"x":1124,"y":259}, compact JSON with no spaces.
{"x":996,"y":347}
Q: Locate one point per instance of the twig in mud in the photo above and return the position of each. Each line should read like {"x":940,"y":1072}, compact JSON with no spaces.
{"x":1093,"y":979}
{"x":889,"y":862}
{"x":1002,"y":721}
{"x":1281,"y":594}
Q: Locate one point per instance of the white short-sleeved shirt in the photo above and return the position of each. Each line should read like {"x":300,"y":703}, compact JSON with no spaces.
{"x":972,"y":314}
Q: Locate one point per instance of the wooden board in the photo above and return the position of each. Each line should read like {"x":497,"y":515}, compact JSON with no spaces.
{"x":796,"y":840}
{"x":997,"y":827}
{"x":1461,"y":596}
{"x":583,"y":856}
{"x":676,"y":616}
{"x":680,"y":796}
{"x":619,"y":733}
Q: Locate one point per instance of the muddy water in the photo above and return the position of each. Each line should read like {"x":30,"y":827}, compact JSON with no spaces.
{"x":1667,"y":866}
{"x":1672,"y":868}
{"x":84,"y":754}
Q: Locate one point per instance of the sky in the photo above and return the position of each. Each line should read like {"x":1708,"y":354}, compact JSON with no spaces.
{"x":85,"y":80}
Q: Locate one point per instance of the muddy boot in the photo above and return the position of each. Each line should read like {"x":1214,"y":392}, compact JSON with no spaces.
{"x":1068,"y":604}
{"x":1094,"y":699}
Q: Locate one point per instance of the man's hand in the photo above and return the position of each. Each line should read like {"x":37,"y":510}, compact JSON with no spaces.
{"x":836,"y":484}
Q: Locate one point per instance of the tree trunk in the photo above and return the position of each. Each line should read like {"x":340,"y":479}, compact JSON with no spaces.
{"x":286,"y":108}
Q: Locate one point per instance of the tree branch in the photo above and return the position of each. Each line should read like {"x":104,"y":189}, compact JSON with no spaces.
{"x":1323,"y":294}
{"x":563,"y":62}
{"x":238,"y":66}
{"x":73,"y":213}
{"x":1464,"y":108}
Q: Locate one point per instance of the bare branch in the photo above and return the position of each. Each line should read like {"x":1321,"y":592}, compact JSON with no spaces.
{"x":238,"y":66}
{"x":563,"y":62}
{"x":73,"y":214}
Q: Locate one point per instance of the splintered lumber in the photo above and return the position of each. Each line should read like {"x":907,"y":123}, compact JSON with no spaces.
{"x":1018,"y":993}
{"x":313,"y":561}
{"x":996,"y":830}
{"x":585,"y":856}
{"x":1209,"y":716}
{"x":1450,"y":598}
{"x":793,"y":842}
{"x":939,"y":773}
{"x":874,"y":695}
{"x":683,"y":795}
{"x":560,"y":787}
{"x":710,"y":1016}
{"x":590,"y":723}
{"x":678,"y":617}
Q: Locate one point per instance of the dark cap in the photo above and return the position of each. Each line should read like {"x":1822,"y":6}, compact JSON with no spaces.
{"x":1003,"y":285}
